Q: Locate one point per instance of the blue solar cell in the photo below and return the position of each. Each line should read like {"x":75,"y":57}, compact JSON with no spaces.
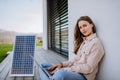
{"x":23,"y":50}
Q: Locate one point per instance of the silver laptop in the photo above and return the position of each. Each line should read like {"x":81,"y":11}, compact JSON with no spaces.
{"x":45,"y":70}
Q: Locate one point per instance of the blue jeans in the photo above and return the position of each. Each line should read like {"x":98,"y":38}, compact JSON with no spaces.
{"x":60,"y":74}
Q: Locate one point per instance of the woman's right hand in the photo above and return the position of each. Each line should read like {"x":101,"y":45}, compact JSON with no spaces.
{"x":55,"y":66}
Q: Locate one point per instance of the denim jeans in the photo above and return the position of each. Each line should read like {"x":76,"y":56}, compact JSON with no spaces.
{"x":60,"y":74}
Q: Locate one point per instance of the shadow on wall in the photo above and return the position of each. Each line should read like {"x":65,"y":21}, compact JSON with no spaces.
{"x":98,"y":77}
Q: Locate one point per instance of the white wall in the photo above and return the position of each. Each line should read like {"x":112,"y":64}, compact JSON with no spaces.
{"x":45,"y":44}
{"x":106,"y":15}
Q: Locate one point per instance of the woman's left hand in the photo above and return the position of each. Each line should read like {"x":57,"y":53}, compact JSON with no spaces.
{"x":54,"y":67}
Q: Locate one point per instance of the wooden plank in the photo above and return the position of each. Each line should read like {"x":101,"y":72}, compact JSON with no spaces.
{"x":4,"y":62}
{"x":5,"y":67}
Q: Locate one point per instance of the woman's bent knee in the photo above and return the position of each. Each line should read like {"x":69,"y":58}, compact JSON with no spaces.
{"x":45,"y":65}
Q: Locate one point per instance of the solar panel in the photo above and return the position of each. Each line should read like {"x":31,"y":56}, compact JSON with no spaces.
{"x":24,"y":48}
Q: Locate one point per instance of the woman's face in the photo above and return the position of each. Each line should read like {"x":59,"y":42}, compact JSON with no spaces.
{"x":85,"y":28}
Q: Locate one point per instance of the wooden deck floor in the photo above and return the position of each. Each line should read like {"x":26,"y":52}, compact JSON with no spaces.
{"x":41,"y":55}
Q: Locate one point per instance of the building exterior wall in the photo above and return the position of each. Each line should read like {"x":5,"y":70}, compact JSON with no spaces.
{"x":106,"y":15}
{"x":45,"y":41}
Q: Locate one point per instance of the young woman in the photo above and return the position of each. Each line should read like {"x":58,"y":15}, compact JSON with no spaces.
{"x":88,"y":53}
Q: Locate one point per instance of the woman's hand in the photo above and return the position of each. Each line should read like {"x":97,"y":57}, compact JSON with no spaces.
{"x":52,"y":72}
{"x":52,"y":68}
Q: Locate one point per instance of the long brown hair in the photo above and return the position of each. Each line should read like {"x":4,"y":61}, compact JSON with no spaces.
{"x":78,"y":36}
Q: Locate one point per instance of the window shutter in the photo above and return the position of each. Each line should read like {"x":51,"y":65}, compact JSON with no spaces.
{"x":58,"y":26}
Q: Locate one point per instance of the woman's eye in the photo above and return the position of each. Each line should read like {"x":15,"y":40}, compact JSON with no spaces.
{"x":80,"y":27}
{"x":84,"y":25}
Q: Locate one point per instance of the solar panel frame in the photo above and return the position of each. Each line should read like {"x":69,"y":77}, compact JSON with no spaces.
{"x":28,"y":56}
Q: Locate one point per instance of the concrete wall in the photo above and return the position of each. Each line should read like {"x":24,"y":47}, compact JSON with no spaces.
{"x":45,"y":42}
{"x":106,"y":15}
